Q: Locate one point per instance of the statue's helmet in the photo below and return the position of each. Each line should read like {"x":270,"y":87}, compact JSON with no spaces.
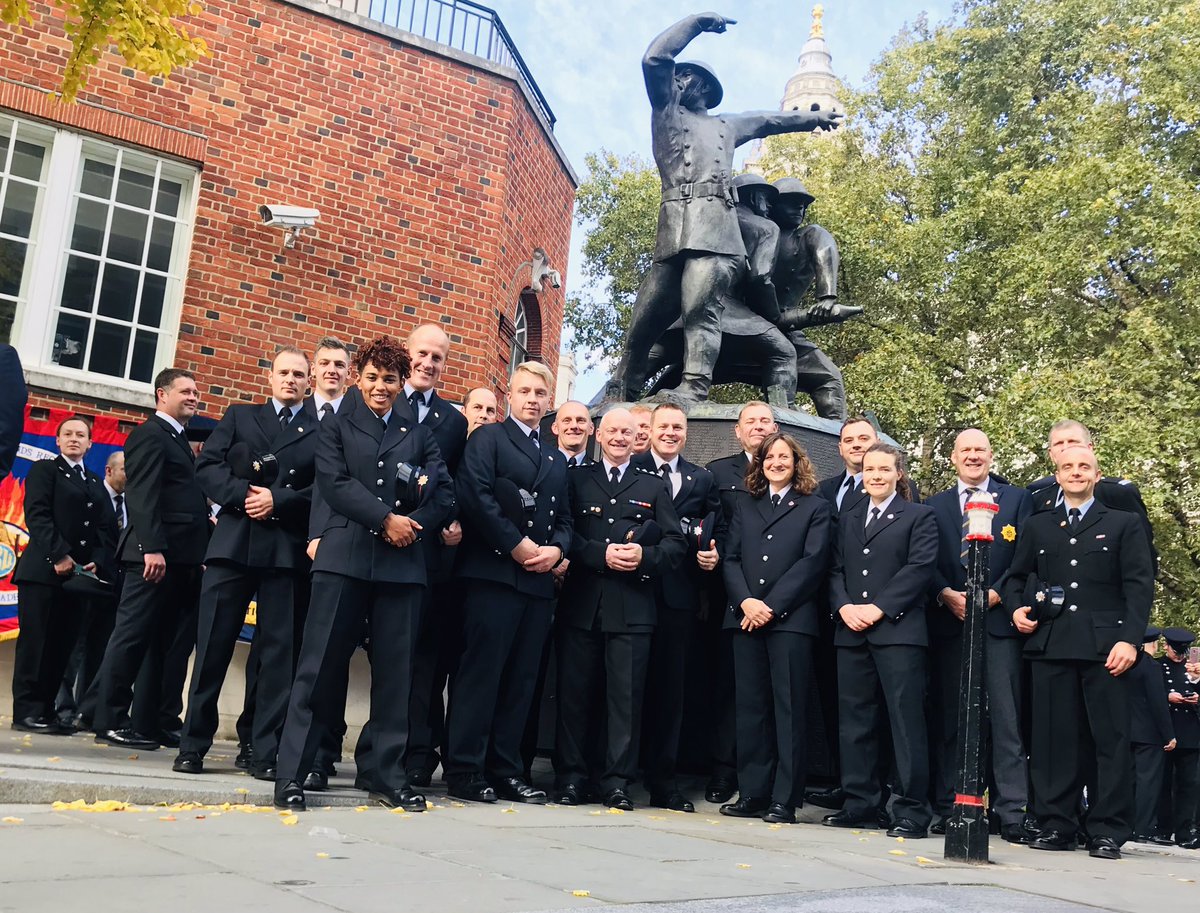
{"x":713,"y":93}
{"x":789,"y":186}
{"x":745,"y":185}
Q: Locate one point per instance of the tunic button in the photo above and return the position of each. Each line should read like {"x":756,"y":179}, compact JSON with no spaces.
{"x":529,"y":523}
{"x":1074,"y":585}
{"x":761,"y":581}
{"x":288,"y":485}
{"x":1072,"y":608}
{"x":1073,"y":562}
{"x":610,"y":519}
{"x":864,"y":594}
{"x":87,"y":522}
{"x":764,"y":557}
{"x":291,"y":472}
{"x":552,"y":513}
{"x":397,"y":503}
{"x":378,"y":482}
{"x":553,"y":499}
{"x":865,"y":572}
{"x":83,"y":541}
{"x":1072,"y":541}
{"x":403,"y":429}
{"x":612,"y":501}
{"x":89,"y":504}
{"x":381,"y":464}
{"x":535,"y":494}
{"x":866,"y":551}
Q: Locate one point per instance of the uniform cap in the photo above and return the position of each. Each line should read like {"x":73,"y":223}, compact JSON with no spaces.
{"x":1179,"y":639}
{"x":1152,"y":634}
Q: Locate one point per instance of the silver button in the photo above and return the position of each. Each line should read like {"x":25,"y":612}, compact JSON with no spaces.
{"x":288,"y":485}
{"x":613,"y":501}
{"x":529,"y":523}
{"x":552,"y":513}
{"x":770,"y":535}
{"x":761,"y":581}
{"x":1072,"y":541}
{"x":403,"y":429}
{"x":87,"y":522}
{"x":89,"y":503}
{"x":864,"y":594}
{"x":865,"y":572}
{"x":381,"y":464}
{"x":610,"y":519}
{"x":1072,"y":608}
{"x":764,"y":557}
{"x":866,"y":551}
{"x":535,"y":494}
{"x":378,"y":482}
{"x":291,"y":472}
{"x":553,"y":499}
{"x":1074,"y":585}
{"x":83,"y":541}
{"x":1073,"y":562}
{"x":397,"y":503}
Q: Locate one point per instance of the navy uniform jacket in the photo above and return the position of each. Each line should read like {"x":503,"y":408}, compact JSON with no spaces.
{"x":1106,"y":573}
{"x":356,"y":471}
{"x":166,"y":507}
{"x":679,"y":589}
{"x":891,"y":565}
{"x":1185,"y":718}
{"x":1015,"y":507}
{"x":729,"y":473}
{"x":503,"y":450}
{"x":277,"y":542}
{"x":1149,"y":716}
{"x":781,"y":556}
{"x":65,"y":515}
{"x":828,"y":489}
{"x":625,"y":599}
{"x":1119,"y":494}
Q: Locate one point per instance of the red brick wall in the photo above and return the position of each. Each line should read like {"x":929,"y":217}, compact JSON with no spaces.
{"x":434,"y":179}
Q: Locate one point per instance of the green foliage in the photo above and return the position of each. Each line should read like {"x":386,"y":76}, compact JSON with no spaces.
{"x":1015,"y":198}
{"x":145,"y":33}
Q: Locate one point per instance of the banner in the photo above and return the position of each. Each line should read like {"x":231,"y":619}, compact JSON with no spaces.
{"x":38,"y":443}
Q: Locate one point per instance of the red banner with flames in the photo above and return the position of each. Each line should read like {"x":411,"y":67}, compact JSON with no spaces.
{"x":38,"y":443}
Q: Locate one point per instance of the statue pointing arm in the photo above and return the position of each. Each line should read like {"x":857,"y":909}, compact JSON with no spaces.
{"x":757,"y":124}
{"x":658,"y":64}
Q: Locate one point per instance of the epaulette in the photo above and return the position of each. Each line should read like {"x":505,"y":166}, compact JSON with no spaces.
{"x":647,"y":472}
{"x":1043,"y":482}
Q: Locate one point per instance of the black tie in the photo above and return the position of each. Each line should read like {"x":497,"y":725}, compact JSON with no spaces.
{"x":83,"y":475}
{"x":846,"y":488}
{"x":665,"y":469}
{"x":574,"y":461}
{"x":615,"y":475}
{"x":119,"y":506}
{"x":966,"y":524}
{"x":1074,"y":516}
{"x":385,"y":421}
{"x":874,"y":516}
{"x":418,"y":400}
{"x":533,"y":436}
{"x":326,"y":411}
{"x":775,"y":501}
{"x":285,"y":417}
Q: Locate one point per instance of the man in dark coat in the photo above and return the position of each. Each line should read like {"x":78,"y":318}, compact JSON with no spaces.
{"x":1092,"y":579}
{"x":12,"y":407}
{"x":1152,"y":737}
{"x":608,"y":612}
{"x":256,"y":552}
{"x":1181,"y":778}
{"x":972,"y":459}
{"x":162,"y":552}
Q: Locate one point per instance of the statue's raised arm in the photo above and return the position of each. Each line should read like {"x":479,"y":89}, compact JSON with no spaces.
{"x":658,"y":65}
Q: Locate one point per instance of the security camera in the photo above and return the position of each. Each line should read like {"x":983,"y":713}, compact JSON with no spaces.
{"x":555,"y":278}
{"x":293,"y":219}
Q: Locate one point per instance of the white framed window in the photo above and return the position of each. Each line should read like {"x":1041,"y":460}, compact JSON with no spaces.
{"x":24,"y":160}
{"x":99,"y":309}
{"x":520,"y":340}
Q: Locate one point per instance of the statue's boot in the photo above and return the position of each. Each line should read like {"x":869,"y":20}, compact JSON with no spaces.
{"x":777,"y":397}
{"x":830,"y":402}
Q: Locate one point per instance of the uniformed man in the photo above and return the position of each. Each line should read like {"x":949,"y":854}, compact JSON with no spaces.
{"x":608,"y":612}
{"x":1181,"y":779}
{"x":642,"y":418}
{"x":572,"y":430}
{"x":694,"y":497}
{"x":698,"y":253}
{"x":1152,"y":737}
{"x":480,"y":408}
{"x":1090,"y":570}
{"x":256,"y":552}
{"x":506,"y":561}
{"x":755,"y":422}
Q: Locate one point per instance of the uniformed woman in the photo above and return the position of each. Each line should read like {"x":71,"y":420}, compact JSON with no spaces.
{"x":775,"y":563}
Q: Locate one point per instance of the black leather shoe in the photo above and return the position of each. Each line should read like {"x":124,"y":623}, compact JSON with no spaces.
{"x":1191,"y":843}
{"x":472,"y":791}
{"x":618,"y":799}
{"x":188,"y":762}
{"x":245,"y":757}
{"x":719,"y":789}
{"x":845,"y":818}
{"x":1030,"y":827}
{"x":316,"y":781}
{"x":32,"y":724}
{"x":779,"y":813}
{"x":263,"y":772}
{"x":1053,"y":840}
{"x":1104,"y":848}
{"x":514,"y":789}
{"x":907,"y":828}
{"x":420,"y":776}
{"x":289,"y":795}
{"x":938,"y":827}
{"x":746,"y":807}
{"x":569,"y":795}
{"x":675,"y":801}
{"x":399,"y":798}
{"x":1014,"y":833}
{"x":1161,"y":840}
{"x":169,"y":739}
{"x":127,"y":738}
{"x":833,"y":798}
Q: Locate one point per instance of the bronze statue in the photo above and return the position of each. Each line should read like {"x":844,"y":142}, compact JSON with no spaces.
{"x":699,"y":255}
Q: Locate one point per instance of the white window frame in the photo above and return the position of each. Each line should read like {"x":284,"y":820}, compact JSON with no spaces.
{"x":38,"y":307}
{"x":30,"y":132}
{"x":520,"y":339}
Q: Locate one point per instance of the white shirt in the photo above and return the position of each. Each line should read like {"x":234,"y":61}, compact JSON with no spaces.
{"x":577,"y":457}
{"x":1083,"y":508}
{"x":277,"y":406}
{"x":170,"y":421}
{"x":528,"y":431}
{"x":842,"y":489}
{"x":779,"y":491}
{"x":319,"y":401}
{"x":423,"y":408}
{"x":119,"y":511}
{"x":609,"y":467}
{"x":882,"y":508}
{"x":676,"y":479}
{"x":962,"y":491}
{"x":74,"y":464}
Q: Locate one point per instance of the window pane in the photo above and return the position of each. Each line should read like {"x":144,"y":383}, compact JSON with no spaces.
{"x":154,"y":290}
{"x":97,"y":178}
{"x":69,"y":340}
{"x":79,"y":286}
{"x":169,"y":194}
{"x":3,"y":144}
{"x":118,"y":292}
{"x":17,"y":216}
{"x":12,"y":265}
{"x":161,"y":236}
{"x":27,"y":160}
{"x":88,"y":236}
{"x":8,"y":313}
{"x":144,"y":348}
{"x":110,"y":343}
{"x":127,"y":236}
{"x":134,"y":188}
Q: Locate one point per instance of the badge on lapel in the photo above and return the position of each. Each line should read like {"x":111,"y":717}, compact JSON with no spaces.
{"x":1009,"y":533}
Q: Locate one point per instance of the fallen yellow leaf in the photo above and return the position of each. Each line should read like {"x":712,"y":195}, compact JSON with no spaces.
{"x":657,"y":817}
{"x":743,"y":865}
{"x":899,"y":839}
{"x":615,"y":811}
{"x":360,"y":808}
{"x":513,"y":811}
{"x":897,"y":853}
{"x":774,"y":827}
{"x":53,"y":760}
{"x":322,"y":855}
{"x":713,"y":821}
{"x":12,"y":820}
{"x":921,"y":860}
{"x":242,"y":790}
{"x":166,"y":817}
{"x":289,"y":820}
{"x":101,"y":805}
{"x":581,"y":893}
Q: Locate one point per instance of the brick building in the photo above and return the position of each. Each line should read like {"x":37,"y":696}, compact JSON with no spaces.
{"x":130,"y":234}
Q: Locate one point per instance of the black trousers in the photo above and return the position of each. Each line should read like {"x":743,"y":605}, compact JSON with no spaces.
{"x":224,"y":598}
{"x":504,"y":633}
{"x":774,"y":669}
{"x":614,"y":665}
{"x":245,"y":720}
{"x":437,"y":655}
{"x":719,"y":690}
{"x":1149,"y":764}
{"x":331,"y":632}
{"x":898,"y":670}
{"x":150,"y":623}
{"x":1179,"y":792}
{"x":670,"y":646}
{"x":1080,"y":715}
{"x":76,"y":696}
{"x":50,"y":620}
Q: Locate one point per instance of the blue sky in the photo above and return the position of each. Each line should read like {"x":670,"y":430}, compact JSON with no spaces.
{"x":585,"y":56}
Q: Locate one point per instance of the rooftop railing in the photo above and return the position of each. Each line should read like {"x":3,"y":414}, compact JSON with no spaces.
{"x":459,"y":24}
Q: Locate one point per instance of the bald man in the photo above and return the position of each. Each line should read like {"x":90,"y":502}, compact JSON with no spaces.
{"x":1082,"y":582}
{"x":972,"y":461}
{"x":480,"y":408}
{"x":572,"y":429}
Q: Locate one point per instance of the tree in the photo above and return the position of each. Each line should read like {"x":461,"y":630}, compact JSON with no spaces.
{"x":145,"y":33}
{"x":1015,"y":198}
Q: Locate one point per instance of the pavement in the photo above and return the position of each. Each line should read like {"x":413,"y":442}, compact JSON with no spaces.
{"x":128,"y":834}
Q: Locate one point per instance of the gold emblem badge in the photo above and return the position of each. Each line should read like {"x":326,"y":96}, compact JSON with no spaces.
{"x":1040,"y":596}
{"x":257,"y":464}
{"x":422,"y":480}
{"x":1009,"y":533}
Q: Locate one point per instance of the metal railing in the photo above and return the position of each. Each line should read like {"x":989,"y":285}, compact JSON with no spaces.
{"x":459,"y":24}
